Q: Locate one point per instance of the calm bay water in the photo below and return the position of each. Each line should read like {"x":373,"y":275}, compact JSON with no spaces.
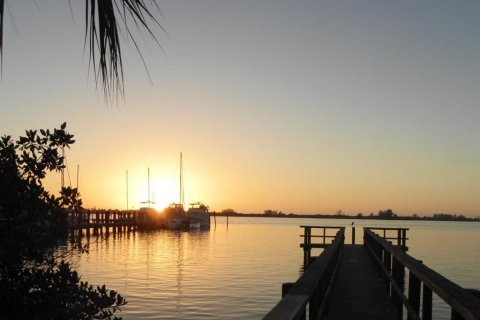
{"x":236,"y":271}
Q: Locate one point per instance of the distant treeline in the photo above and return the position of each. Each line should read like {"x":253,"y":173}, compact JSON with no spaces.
{"x":381,"y":215}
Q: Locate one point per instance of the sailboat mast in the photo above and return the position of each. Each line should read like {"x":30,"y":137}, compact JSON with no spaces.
{"x":181,"y":181}
{"x":149,"y":200}
{"x":127,"y":187}
{"x":78,"y":170}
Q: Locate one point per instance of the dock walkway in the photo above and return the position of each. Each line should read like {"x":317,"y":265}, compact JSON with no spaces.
{"x":368,"y":281}
{"x":359,"y":291}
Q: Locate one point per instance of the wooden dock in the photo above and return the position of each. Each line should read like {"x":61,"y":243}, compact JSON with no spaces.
{"x":102,"y":220}
{"x":367,"y":281}
{"x":359,"y":292}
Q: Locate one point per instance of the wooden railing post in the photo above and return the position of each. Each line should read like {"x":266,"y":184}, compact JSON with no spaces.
{"x":387,"y":263}
{"x":404,"y":239}
{"x":315,"y":301}
{"x":398,"y":274}
{"x":413,"y":293}
{"x":324,"y":234}
{"x":427,"y":303}
{"x":286,"y":287}
{"x":306,"y":246}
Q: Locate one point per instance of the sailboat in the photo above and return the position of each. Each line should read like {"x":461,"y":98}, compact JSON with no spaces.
{"x":176,"y":218}
{"x":197,"y":216}
{"x":148,"y":217}
{"x":175,"y":214}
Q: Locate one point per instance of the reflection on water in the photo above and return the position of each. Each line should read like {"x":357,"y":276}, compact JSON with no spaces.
{"x":237,"y":272}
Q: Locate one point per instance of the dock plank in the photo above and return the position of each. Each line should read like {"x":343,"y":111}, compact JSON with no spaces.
{"x":359,"y":292}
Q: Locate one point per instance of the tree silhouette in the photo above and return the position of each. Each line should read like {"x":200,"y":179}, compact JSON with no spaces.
{"x":386,"y":214}
{"x":34,"y":282}
{"x":105,"y":20}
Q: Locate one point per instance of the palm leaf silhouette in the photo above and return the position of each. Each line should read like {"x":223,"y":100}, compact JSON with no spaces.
{"x":103,"y":22}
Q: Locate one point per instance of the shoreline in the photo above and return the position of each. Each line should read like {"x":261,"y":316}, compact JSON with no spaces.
{"x":333,"y":216}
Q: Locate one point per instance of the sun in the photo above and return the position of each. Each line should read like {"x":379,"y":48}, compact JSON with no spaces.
{"x":164,"y":192}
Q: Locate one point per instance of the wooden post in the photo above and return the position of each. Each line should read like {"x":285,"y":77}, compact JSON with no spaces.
{"x":306,"y":246}
{"x":107,"y":221}
{"x":427,"y":303}
{"x":404,"y":239}
{"x":324,"y":234}
{"x":413,"y":293}
{"x":286,"y":287}
{"x":387,"y":263}
{"x":353,"y":235}
{"x":315,"y":302}
{"x":398,"y":273}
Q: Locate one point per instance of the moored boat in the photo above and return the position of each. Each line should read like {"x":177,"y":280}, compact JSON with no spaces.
{"x":175,"y":216}
{"x":148,"y":218}
{"x":198,"y":216}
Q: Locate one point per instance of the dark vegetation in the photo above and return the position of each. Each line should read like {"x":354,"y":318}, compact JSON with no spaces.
{"x":387,"y":214}
{"x":34,"y":283}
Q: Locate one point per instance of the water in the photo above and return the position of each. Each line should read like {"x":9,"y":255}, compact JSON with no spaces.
{"x":236,"y":271}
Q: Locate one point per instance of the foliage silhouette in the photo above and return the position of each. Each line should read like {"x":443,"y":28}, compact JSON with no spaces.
{"x":34,"y":284}
{"x":386,"y":214}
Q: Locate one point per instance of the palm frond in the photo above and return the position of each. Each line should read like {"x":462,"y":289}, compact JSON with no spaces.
{"x":102,"y":35}
{"x":102,"y":32}
{"x":2,"y":6}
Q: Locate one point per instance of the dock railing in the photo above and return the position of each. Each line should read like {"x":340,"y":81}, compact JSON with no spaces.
{"x":324,"y":237}
{"x":397,"y":236}
{"x":422,"y":282}
{"x":98,"y":219}
{"x":313,"y":288}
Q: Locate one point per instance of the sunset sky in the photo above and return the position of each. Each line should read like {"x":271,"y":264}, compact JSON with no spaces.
{"x":298,"y":106}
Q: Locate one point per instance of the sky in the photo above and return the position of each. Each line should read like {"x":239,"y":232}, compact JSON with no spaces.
{"x":301,"y":106}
